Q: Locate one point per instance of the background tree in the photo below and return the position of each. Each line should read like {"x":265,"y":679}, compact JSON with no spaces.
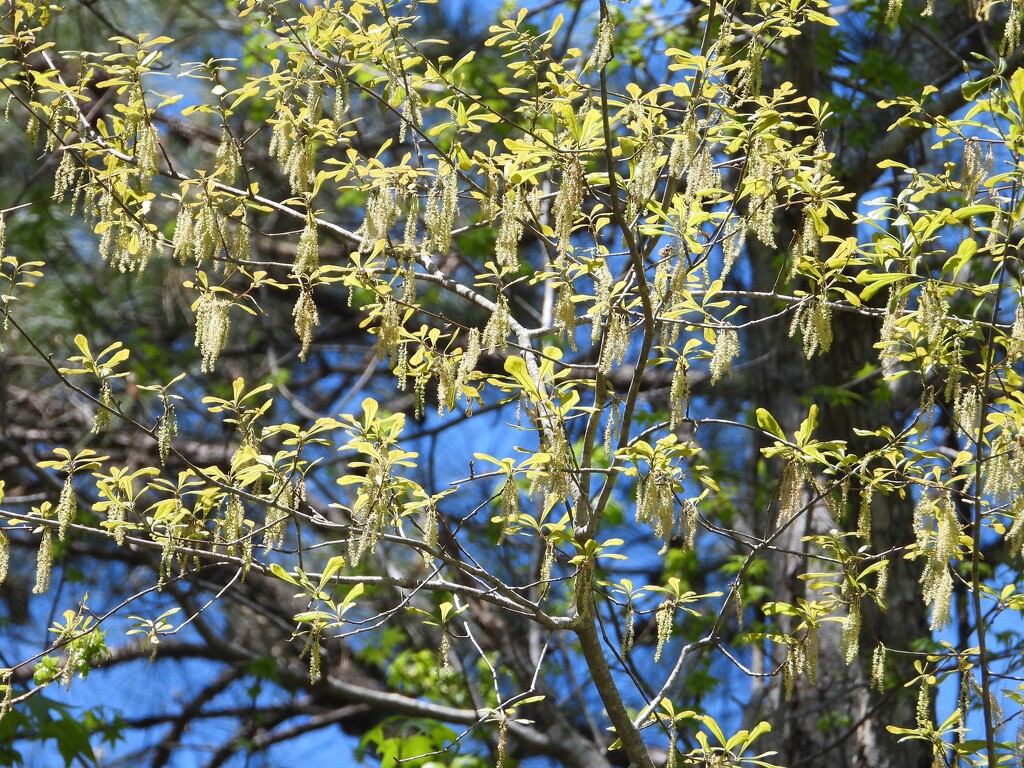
{"x":708,"y":420}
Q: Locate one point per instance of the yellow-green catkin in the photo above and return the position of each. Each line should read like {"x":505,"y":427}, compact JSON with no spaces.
{"x":663,"y":619}
{"x":445,"y":367}
{"x":183,"y":234}
{"x":892,"y":12}
{"x":381,"y":213}
{"x":442,"y":208}
{"x":672,"y":760}
{"x":101,"y":419}
{"x":32,"y":130}
{"x":6,"y":703}
{"x":116,"y":512}
{"x":616,"y":341}
{"x":882,"y":585}
{"x":300,"y":167}
{"x":547,"y":564}
{"x":229,"y":159}
{"x":814,"y":321}
{"x":213,"y":325}
{"x":805,"y":251}
{"x":967,"y":684}
{"x":555,"y":482}
{"x":656,"y":504}
{"x":967,"y":411}
{"x":643,"y":180}
{"x":923,"y":709}
{"x":688,"y":522}
{"x":938,"y":534}
{"x":502,"y":740}
{"x":791,"y":492}
{"x":1014,"y":342}
{"x":629,"y":631}
{"x":603,"y":44}
{"x":166,"y":430}
{"x":567,"y":206}
{"x":727,"y":347}
{"x":234,"y":515}
{"x":812,"y":649}
{"x":1006,"y":466}
{"x":1011,"y":34}
{"x":313,"y":645}
{"x":890,"y":342}
{"x":878,"y":668}
{"x":420,"y":381}
{"x":167,"y":548}
{"x":307,"y":252}
{"x":849,"y":638}
{"x":282,"y":495}
{"x":565,"y":314}
{"x":761,"y":172}
{"x":796,"y":661}
{"x":64,"y":179}
{"x":972,"y":170}
{"x":342,"y":102}
{"x":306,"y":320}
{"x":467,"y":363}
{"x":933,"y":313}
{"x":702,"y":178}
{"x":514,"y":212}
{"x":5,"y":556}
{"x":683,"y":147}
{"x":996,"y":233}
{"x":864,"y":514}
{"x":389,"y":333}
{"x":147,"y":153}
{"x":430,"y":527}
{"x":611,"y":429}
{"x":495,"y":335}
{"x":509,"y":507}
{"x":732,"y":246}
{"x":44,"y":562}
{"x":67,"y":506}
{"x":444,"y":650}
{"x":603,"y":281}
{"x":371,"y":513}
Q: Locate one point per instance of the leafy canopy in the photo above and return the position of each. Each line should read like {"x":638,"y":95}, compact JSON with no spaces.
{"x":541,"y":236}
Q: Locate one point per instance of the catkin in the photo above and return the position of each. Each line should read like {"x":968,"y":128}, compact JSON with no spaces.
{"x":307,"y":253}
{"x":603,"y":44}
{"x":306,"y":320}
{"x":727,"y":347}
{"x":213,"y":324}
{"x":5,"y":556}
{"x":470,"y":357}
{"x":495,"y":335}
{"x":878,"y":668}
{"x":67,"y":506}
{"x":663,"y":619}
{"x":567,"y":206}
{"x":44,"y":562}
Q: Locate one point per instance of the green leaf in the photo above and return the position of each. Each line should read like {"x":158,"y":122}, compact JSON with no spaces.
{"x":876,"y":281}
{"x":768,"y":423}
{"x":807,"y":426}
{"x":516,"y":367}
{"x":972,"y":88}
{"x":281,"y":573}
